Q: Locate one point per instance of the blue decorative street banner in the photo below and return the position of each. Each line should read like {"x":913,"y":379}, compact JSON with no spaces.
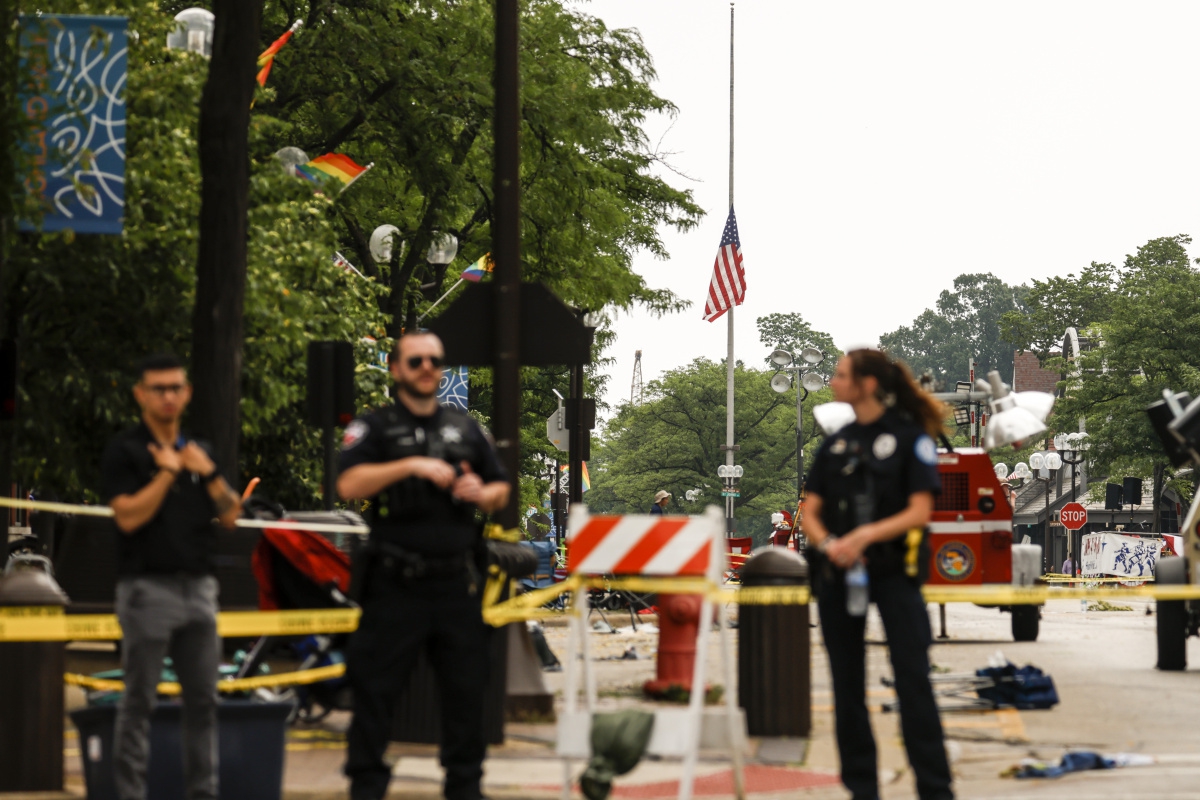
{"x":72,"y":93}
{"x":452,"y":391}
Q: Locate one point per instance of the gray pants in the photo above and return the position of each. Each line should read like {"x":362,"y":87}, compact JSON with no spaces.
{"x":175,"y":616}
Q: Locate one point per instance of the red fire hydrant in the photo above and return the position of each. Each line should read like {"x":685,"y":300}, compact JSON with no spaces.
{"x":678,"y":622}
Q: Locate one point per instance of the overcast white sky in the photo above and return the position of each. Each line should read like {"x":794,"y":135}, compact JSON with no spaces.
{"x":884,"y":148}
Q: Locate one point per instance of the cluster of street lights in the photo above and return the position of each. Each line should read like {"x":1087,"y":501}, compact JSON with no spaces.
{"x":1069,"y":449}
{"x":804,"y":364}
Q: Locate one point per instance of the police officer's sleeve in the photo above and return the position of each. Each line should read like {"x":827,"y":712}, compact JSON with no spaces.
{"x":815,"y":482}
{"x":119,"y":471}
{"x":921,"y":466}
{"x":486,"y":462}
{"x":361,"y":444}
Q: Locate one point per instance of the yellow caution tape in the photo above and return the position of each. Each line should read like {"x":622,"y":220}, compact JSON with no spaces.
{"x":298,"y":678}
{"x":766,"y":596}
{"x":50,"y":624}
{"x":1069,"y":579}
{"x":18,"y":624}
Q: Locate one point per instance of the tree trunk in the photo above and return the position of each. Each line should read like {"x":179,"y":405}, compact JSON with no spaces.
{"x":217,"y":329}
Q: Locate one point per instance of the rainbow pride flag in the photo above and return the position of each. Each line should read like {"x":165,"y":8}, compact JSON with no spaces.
{"x":587,"y":479}
{"x":333,"y":165}
{"x":268,"y":56}
{"x":476,"y":271}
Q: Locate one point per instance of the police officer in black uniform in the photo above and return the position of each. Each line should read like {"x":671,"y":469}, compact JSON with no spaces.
{"x":870,"y":497}
{"x":426,"y":470}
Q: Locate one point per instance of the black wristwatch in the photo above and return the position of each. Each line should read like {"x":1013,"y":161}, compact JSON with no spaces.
{"x":210,"y":477}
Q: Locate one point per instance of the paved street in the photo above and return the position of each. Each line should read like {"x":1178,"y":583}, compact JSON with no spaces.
{"x":1113,"y":701}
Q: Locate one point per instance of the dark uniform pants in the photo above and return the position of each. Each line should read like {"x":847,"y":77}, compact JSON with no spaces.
{"x":906,"y":624}
{"x":443,"y":616}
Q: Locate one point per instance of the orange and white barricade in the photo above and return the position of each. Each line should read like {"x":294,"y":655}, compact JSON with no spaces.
{"x":680,"y":555}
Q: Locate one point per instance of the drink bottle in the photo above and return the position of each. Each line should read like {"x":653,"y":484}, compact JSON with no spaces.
{"x":857,"y":590}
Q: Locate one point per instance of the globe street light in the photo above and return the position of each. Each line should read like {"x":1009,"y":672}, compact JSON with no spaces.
{"x":729,"y":475}
{"x":442,"y":250}
{"x":193,"y":31}
{"x":804,"y":364}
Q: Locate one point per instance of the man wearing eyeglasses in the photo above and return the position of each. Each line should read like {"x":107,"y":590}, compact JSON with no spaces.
{"x":165,"y":490}
{"x":426,"y":470}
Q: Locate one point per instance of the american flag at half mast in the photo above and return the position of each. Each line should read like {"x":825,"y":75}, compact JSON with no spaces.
{"x":728,"y":286}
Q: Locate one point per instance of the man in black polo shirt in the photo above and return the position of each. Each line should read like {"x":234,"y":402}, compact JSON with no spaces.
{"x":165,"y":490}
{"x":426,"y":469}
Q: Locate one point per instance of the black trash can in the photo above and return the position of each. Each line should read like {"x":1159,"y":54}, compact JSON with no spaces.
{"x":774,"y":675}
{"x":31,"y":682}
{"x":250,"y":748}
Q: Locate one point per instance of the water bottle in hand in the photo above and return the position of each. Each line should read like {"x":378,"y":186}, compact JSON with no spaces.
{"x":857,"y":590}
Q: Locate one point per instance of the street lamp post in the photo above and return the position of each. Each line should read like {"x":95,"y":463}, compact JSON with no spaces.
{"x":1071,"y":448}
{"x":729,"y":475}
{"x":809,"y":381}
{"x":1048,"y":462}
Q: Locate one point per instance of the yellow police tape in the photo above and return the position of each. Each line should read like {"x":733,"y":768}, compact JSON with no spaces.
{"x":50,"y":624}
{"x":530,"y":605}
{"x":298,"y":678}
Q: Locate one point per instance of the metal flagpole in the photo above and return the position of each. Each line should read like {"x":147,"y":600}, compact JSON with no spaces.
{"x":730,"y":524}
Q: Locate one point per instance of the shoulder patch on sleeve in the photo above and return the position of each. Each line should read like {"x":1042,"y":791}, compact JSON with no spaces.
{"x":926,"y":450}
{"x":355,"y":432}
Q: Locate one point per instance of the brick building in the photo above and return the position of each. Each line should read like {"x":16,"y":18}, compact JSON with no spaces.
{"x":1030,"y":376}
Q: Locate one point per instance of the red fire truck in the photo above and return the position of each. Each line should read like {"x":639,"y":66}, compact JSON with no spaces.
{"x":971,"y":533}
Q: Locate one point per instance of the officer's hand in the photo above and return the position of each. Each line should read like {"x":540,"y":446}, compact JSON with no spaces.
{"x":165,"y":457}
{"x":469,"y":486}
{"x":195,"y":460}
{"x":844,"y":551}
{"x":434,"y":470}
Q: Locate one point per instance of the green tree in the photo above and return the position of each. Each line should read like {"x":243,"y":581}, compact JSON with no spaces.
{"x":672,"y":441}
{"x":1150,"y":342}
{"x":790,"y":332}
{"x":406,"y":86}
{"x":964,"y":323}
{"x":1055,"y":304}
{"x":87,"y":308}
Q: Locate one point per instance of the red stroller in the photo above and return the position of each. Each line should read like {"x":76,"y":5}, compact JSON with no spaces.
{"x":304,"y":569}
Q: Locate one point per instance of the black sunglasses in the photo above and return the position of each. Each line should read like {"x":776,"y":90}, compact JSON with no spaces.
{"x":415,"y":362}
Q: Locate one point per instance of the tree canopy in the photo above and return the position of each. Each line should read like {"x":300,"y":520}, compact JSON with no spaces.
{"x":406,"y":86}
{"x":672,"y":439}
{"x":964,"y":323}
{"x":1057,"y":303}
{"x":1149,"y":342}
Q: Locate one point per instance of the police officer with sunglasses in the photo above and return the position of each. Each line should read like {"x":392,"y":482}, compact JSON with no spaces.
{"x":426,"y":471}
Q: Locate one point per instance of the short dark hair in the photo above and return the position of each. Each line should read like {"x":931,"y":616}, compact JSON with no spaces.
{"x":158,"y":362}
{"x":413,"y":333}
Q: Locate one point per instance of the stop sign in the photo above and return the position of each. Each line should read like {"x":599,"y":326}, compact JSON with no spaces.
{"x":1073,"y":516}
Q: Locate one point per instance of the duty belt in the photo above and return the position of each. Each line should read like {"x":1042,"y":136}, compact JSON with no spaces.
{"x":409,"y":566}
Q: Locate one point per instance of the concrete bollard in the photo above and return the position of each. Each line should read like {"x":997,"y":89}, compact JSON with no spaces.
{"x":31,"y":694}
